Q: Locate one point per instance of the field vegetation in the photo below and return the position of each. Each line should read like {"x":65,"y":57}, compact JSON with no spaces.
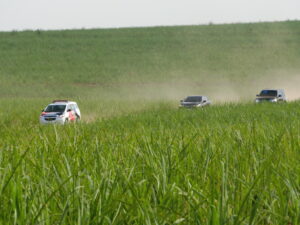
{"x":135,"y":158}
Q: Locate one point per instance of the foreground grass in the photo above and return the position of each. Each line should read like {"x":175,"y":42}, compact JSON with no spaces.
{"x":133,"y":160}
{"x":228,"y":164}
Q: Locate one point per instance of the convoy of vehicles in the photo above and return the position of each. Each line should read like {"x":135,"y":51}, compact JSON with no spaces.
{"x":271,"y":95}
{"x":64,"y":111}
{"x":60,"y":112}
{"x":194,"y":102}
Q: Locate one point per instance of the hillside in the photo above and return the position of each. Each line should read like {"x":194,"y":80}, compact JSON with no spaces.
{"x":226,"y":62}
{"x":135,"y":158}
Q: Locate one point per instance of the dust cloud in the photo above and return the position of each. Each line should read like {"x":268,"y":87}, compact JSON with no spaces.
{"x":122,"y":98}
{"x":219,"y":90}
{"x":284,"y":80}
{"x":175,"y":90}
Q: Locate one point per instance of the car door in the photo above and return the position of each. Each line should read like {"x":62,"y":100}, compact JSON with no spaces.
{"x":77,"y":111}
{"x":280,"y":96}
{"x":71,"y":112}
{"x":204,"y":101}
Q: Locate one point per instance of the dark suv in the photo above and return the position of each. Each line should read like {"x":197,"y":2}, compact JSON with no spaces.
{"x":271,"y":95}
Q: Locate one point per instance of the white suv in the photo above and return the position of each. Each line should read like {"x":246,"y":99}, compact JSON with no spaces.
{"x":61,"y":112}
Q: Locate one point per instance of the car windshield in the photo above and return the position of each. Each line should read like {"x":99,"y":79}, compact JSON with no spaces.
{"x":270,"y":93}
{"x":55,"y":108}
{"x":193,"y":99}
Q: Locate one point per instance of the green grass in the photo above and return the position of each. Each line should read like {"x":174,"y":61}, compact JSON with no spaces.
{"x":135,"y":158}
{"x":227,"y":164}
{"x":161,"y":62}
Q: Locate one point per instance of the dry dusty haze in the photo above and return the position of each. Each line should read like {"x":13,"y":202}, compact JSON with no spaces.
{"x":218,"y":90}
{"x":228,"y":86}
{"x":289,"y":81}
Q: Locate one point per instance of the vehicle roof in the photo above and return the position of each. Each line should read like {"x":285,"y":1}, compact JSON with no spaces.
{"x":62,"y":103}
{"x":59,"y":103}
{"x":268,"y":89}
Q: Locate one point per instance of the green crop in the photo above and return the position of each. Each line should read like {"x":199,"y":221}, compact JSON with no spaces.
{"x":135,"y":158}
{"x":152,"y":63}
{"x":227,"y":164}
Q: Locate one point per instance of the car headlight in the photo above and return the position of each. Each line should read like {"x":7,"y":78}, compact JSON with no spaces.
{"x":274,"y":100}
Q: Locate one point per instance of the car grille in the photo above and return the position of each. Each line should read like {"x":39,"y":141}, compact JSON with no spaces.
{"x":50,"y":118}
{"x":265,"y":99}
{"x":190,"y":105}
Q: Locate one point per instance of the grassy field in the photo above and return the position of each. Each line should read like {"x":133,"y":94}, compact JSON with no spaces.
{"x":135,"y":158}
{"x":162,"y":62}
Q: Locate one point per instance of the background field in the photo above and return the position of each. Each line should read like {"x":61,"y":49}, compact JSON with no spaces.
{"x":135,"y":158}
{"x":162,"y":62}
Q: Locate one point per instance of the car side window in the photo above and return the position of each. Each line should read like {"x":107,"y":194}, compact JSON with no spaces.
{"x":281,"y":94}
